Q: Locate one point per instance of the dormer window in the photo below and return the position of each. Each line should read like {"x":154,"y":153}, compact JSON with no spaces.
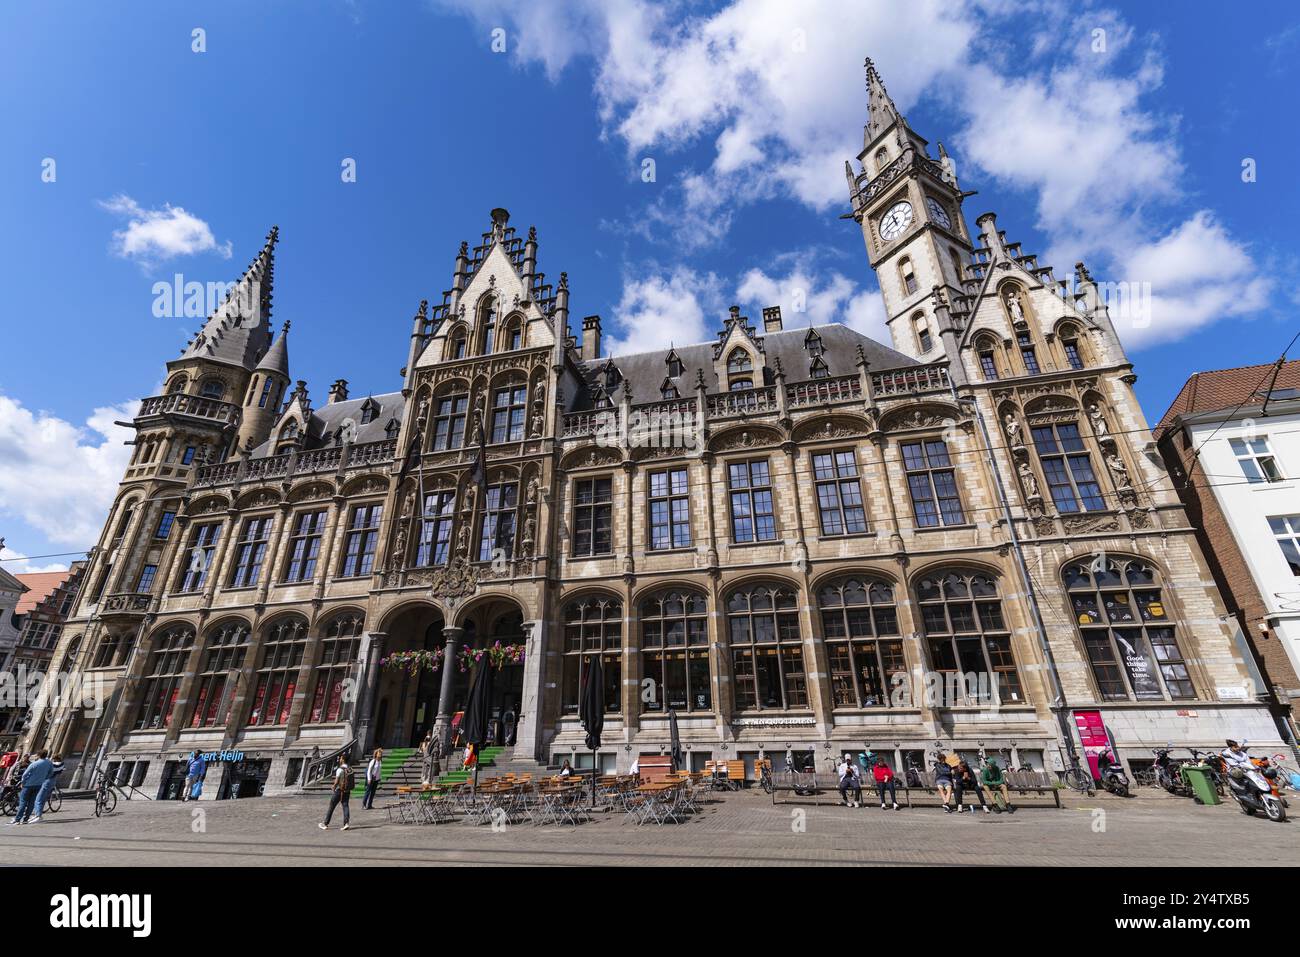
{"x":813,"y":343}
{"x":739,"y":361}
{"x":818,"y":370}
{"x":668,"y":390}
{"x":612,"y":377}
{"x":392,"y":428}
{"x":674,"y":363}
{"x":369,"y":410}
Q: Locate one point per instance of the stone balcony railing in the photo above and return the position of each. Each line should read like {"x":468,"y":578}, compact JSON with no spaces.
{"x":909,"y":381}
{"x":758,"y":401}
{"x":824,"y":391}
{"x":578,"y":424}
{"x":126,"y":603}
{"x":288,"y":465}
{"x":193,"y":406}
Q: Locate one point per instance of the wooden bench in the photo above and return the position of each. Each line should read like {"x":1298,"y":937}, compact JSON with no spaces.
{"x":1020,"y":784}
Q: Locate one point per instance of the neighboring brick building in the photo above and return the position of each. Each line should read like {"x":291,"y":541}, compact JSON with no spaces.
{"x":1231,"y":440}
{"x":817,"y":527}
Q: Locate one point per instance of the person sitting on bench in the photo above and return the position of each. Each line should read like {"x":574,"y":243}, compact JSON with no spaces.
{"x":943,"y":781}
{"x":993,"y":779}
{"x":850,"y":781}
{"x":966,"y":782}
{"x":884,"y":776}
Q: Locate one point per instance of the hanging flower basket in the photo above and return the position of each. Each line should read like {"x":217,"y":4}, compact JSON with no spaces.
{"x":413,"y":662}
{"x":496,"y":654}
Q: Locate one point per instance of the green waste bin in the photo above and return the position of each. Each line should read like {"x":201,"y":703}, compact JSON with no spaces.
{"x":1198,"y":776}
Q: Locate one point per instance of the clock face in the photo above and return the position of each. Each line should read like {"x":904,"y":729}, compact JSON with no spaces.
{"x":897,"y":219}
{"x":938,"y":213}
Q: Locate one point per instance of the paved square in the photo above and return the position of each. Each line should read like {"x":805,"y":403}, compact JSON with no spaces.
{"x":742,"y":829}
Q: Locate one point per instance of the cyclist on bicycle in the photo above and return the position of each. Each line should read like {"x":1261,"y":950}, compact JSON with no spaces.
{"x":993,"y":779}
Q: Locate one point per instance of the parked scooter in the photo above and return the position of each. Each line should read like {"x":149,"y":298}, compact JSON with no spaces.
{"x":1113,"y":778}
{"x":1253,"y":790}
{"x":1168,"y":773}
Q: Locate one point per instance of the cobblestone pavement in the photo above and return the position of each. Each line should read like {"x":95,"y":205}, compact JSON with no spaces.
{"x":736,"y":829}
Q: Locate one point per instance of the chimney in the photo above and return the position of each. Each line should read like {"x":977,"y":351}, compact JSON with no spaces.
{"x":772,"y":319}
{"x":339,"y":391}
{"x":591,"y":337}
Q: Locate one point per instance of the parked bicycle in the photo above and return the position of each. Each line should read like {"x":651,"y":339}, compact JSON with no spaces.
{"x":105,"y":796}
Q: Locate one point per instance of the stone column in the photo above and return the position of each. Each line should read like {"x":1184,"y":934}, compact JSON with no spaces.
{"x":442,"y":724}
{"x":372,"y":649}
{"x":528,"y":727}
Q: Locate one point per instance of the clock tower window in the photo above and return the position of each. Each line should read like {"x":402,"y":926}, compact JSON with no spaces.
{"x":908,"y":275}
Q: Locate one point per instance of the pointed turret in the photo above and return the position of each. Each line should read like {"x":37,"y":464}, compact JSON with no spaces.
{"x":239,"y":330}
{"x":277,"y":357}
{"x":881,"y":112}
{"x":265,"y":391}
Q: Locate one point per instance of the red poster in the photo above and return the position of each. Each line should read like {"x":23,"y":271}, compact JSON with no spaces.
{"x":1092,"y":734}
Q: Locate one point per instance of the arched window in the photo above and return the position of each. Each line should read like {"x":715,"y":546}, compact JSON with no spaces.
{"x":113,"y":649}
{"x":277,"y":678}
{"x":968,"y":638}
{"x":1121,"y":616}
{"x":675,"y":652}
{"x":882,"y":159}
{"x":178,"y":384}
{"x":338,"y":654}
{"x":225,"y":649}
{"x":455,"y":348}
{"x":739,"y":361}
{"x":907,"y":276}
{"x":863,"y":644}
{"x":212,"y":389}
{"x":168,"y":654}
{"x":986,"y":348}
{"x":921,"y":329}
{"x":592,"y":626}
{"x":1071,"y":347}
{"x":1067,"y":465}
{"x":487,"y":326}
{"x":766,"y":649}
{"x":514,"y":336}
{"x":958,"y":267}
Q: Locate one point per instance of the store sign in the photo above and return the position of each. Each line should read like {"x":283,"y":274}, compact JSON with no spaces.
{"x":773,"y":722}
{"x":217,"y":757}
{"x":1231,"y":694}
{"x":1093,"y":736}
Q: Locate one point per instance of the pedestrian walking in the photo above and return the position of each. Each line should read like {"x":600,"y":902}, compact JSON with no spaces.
{"x":43,"y":797}
{"x":29,"y":788}
{"x":374,"y":775}
{"x":344,"y":781}
{"x":884,"y":776}
{"x":426,"y":759}
{"x":195,"y":772}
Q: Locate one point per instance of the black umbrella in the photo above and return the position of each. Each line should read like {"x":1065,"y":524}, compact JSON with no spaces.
{"x":592,"y":712}
{"x":478,"y":712}
{"x":674,"y":740}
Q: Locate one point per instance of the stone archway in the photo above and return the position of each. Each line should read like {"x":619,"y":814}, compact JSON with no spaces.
{"x":487,"y":620}
{"x":405,"y":704}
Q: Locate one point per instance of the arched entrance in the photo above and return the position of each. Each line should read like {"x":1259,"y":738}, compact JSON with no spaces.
{"x":495,"y":620}
{"x":406,"y":704}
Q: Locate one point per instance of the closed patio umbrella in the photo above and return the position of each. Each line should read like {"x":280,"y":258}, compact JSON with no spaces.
{"x":592,"y":712}
{"x":478,"y":711}
{"x":674,"y":740}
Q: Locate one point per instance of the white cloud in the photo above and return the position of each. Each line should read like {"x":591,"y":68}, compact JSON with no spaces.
{"x":57,"y":477}
{"x":16,"y":563}
{"x":776,"y":89}
{"x":151,"y":235}
{"x":808,"y":296}
{"x":657,"y":311}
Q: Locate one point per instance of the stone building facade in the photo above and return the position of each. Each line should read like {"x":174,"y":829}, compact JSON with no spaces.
{"x":785,"y":537}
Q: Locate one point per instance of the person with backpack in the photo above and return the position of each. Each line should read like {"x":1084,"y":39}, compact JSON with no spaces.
{"x":344,"y":781}
{"x":374,"y":775}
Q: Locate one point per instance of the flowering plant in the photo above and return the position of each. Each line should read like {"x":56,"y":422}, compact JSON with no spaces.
{"x":497,"y":655}
{"x":413,"y":661}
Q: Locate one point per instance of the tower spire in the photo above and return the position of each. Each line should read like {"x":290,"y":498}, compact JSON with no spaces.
{"x":881,"y":112}
{"x":238,"y":331}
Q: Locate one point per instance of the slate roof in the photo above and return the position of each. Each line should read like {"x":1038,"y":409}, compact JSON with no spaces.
{"x":277,"y":357}
{"x":324,"y":423}
{"x":1226,"y":388}
{"x":239,"y":330}
{"x":645,"y":371}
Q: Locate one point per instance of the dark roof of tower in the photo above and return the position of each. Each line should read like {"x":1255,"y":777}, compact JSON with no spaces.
{"x":239,"y":330}
{"x":277,"y":357}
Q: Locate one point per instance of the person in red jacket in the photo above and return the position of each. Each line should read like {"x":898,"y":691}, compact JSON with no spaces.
{"x":884,"y":776}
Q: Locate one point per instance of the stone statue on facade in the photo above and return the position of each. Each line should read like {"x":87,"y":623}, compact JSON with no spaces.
{"x":1028,"y":480}
{"x":1014,"y":308}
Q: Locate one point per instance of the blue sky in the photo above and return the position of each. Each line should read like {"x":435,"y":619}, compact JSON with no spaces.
{"x":1124,"y":147}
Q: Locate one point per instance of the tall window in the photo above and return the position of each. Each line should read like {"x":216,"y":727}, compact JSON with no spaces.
{"x":435,"y":528}
{"x":487,"y":319}
{"x":222,"y":661}
{"x":863,"y":644}
{"x":169,"y":652}
{"x":277,"y":678}
{"x":1073,"y":357}
{"x":1256,"y":459}
{"x":670,"y":509}
{"x":968,"y":638}
{"x":986,"y":348}
{"x":456,"y":345}
{"x":766,"y":649}
{"x":338,"y":652}
{"x":304,"y":546}
{"x":113,"y":649}
{"x":449,"y":421}
{"x":932,"y":483}
{"x":147,"y":574}
{"x":363,"y":534}
{"x":1068,"y":468}
{"x":1122,"y":618}
{"x":198,"y":559}
{"x":508,"y":406}
{"x":592,"y":626}
{"x":1028,"y":354}
{"x":498,"y":530}
{"x":752,"y":516}
{"x":251,"y":551}
{"x":266,"y":392}
{"x":593,"y":516}
{"x":515,"y":335}
{"x":922,"y":329}
{"x":907,"y":275}
{"x":1286,"y":529}
{"x":839,"y":493}
{"x":675,"y":652}
{"x":165,"y":522}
